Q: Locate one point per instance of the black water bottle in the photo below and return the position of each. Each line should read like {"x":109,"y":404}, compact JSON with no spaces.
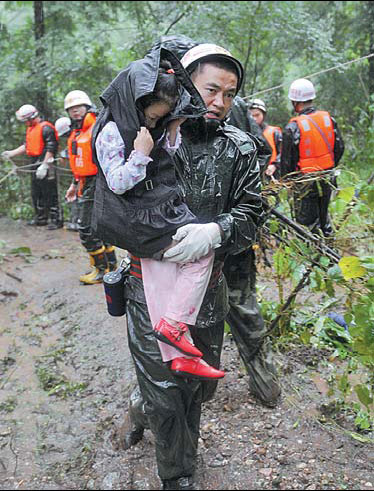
{"x":114,"y":286}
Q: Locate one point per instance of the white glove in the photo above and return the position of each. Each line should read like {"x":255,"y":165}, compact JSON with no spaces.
{"x":195,"y":241}
{"x":7,"y":154}
{"x":42,"y":170}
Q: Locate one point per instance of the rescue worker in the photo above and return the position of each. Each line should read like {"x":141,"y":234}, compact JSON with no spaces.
{"x":244,"y":317}
{"x":312,"y":142}
{"x":219,"y":177}
{"x":102,"y":256}
{"x":272,"y":134}
{"x":41,"y":146}
{"x":63,"y":128}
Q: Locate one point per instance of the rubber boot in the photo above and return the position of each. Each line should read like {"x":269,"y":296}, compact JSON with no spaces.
{"x":56,"y":218}
{"x":100,"y":263}
{"x":110,"y":253}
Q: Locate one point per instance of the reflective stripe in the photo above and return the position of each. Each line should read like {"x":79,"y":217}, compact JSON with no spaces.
{"x":305,"y":124}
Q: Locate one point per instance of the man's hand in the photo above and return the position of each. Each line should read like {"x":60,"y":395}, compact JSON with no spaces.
{"x":144,"y":142}
{"x":42,"y":170}
{"x":195,"y":241}
{"x":271,"y":168}
{"x":71,"y":193}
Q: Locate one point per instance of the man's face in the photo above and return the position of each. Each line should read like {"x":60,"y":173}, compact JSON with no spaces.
{"x":258,"y":116}
{"x":77,"y":112}
{"x":31,"y":122}
{"x":217,"y":88}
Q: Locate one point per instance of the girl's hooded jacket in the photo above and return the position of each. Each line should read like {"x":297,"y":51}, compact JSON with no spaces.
{"x":143,"y":219}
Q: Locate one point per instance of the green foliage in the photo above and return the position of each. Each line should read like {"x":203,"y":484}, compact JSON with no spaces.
{"x":8,"y":405}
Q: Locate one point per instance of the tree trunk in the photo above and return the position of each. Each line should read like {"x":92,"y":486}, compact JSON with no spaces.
{"x":370,"y":24}
{"x":41,"y":101}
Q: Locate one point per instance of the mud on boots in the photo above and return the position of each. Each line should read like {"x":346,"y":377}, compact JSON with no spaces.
{"x":99,"y":261}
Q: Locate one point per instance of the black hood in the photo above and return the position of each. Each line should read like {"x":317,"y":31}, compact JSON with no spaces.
{"x":177,"y":44}
{"x":120,"y":98}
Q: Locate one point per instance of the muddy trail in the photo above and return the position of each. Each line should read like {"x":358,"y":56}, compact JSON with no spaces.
{"x":66,"y":374}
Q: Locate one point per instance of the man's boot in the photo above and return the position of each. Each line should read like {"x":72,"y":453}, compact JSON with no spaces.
{"x":129,"y":433}
{"x":110,"y":253}
{"x":185,"y":482}
{"x":99,"y":262}
{"x":40,"y":218}
{"x":264,"y":383}
{"x":135,"y":422}
{"x":35,"y":222}
{"x":56,"y":218}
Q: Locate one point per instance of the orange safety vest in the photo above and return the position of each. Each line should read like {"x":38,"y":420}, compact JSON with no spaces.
{"x":34,"y":138}
{"x":316,"y":148}
{"x":269,"y":136}
{"x":79,"y":148}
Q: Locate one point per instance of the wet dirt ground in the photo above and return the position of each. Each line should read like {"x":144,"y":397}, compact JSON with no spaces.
{"x":66,"y":373}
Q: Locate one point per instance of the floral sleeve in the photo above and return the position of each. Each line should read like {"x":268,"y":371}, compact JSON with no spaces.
{"x":120,"y":175}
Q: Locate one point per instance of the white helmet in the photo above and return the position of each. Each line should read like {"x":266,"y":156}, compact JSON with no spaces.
{"x":301,"y":90}
{"x":258,"y":104}
{"x":76,"y":98}
{"x":26,"y":112}
{"x":198,"y":54}
{"x":63,"y":126}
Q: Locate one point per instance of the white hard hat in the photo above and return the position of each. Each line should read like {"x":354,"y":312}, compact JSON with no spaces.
{"x":257,"y":104}
{"x":63,"y":125}
{"x":26,"y":112}
{"x":76,"y":98}
{"x":301,"y":90}
{"x":206,"y":52}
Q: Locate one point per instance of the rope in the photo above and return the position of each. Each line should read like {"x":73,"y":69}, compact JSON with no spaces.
{"x":340,"y":65}
{"x":26,"y":168}
{"x":13,"y":171}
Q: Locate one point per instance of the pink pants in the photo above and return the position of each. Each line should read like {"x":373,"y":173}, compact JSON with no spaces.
{"x":175,"y":291}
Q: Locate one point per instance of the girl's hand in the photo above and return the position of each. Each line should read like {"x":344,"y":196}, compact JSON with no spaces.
{"x":174,"y":125}
{"x":173,"y":128}
{"x":144,"y":142}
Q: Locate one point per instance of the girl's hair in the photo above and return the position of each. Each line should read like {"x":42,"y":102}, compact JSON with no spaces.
{"x":166,"y":88}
